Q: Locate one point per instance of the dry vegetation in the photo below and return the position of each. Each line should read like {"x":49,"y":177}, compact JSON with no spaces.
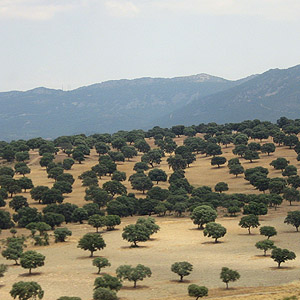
{"x":69,"y":271}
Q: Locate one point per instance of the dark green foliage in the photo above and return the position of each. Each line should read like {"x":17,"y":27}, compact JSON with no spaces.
{"x":282,"y":255}
{"x":18,"y":202}
{"x":96,"y":221}
{"x":31,"y":260}
{"x":250,"y":221}
{"x":26,"y":215}
{"x":138,"y":273}
{"x":289,"y":170}
{"x":61,"y":234}
{"x":157,"y":175}
{"x":111,"y":221}
{"x":265,"y":246}
{"x":37,"y":193}
{"x":291,"y":195}
{"x":66,"y":177}
{"x":135,"y":233}
{"x":68,"y":163}
{"x":214,"y":230}
{"x":203,"y":214}
{"x":91,"y":242}
{"x":197,"y":291}
{"x":52,"y":195}
{"x":53,"y":219}
{"x":268,"y":148}
{"x":255,"y":208}
{"x":182,"y":268}
{"x":218,"y":160}
{"x":104,"y":294}
{"x":141,"y":183}
{"x":268,"y":231}
{"x":152,"y":157}
{"x":293,"y":218}
{"x":119,"y":176}
{"x":64,"y":187}
{"x":5,"y":220}
{"x":228,"y":275}
{"x":79,"y":215}
{"x":27,"y":290}
{"x":108,"y":281}
{"x":277,"y":185}
{"x":100,"y":263}
{"x":141,"y":166}
{"x":114,"y":187}
{"x":294,"y":181}
{"x":221,"y":187}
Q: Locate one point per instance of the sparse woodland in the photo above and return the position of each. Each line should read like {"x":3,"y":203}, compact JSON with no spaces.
{"x":111,"y":216}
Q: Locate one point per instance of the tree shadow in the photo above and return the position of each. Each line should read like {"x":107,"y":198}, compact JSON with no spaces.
{"x":178,"y":282}
{"x":283,"y":268}
{"x":31,"y":275}
{"x":138,"y":287}
{"x":88,"y":257}
{"x":133,"y":247}
{"x":213,"y":243}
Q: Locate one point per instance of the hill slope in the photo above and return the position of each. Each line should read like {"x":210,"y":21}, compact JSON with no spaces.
{"x":268,"y":96}
{"x":106,"y":107}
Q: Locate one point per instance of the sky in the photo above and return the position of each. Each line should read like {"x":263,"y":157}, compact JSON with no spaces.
{"x":65,"y":44}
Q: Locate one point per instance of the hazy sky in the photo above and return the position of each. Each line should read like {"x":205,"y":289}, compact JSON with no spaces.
{"x":70,"y":43}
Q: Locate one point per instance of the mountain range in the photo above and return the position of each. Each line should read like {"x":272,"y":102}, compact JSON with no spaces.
{"x":145,"y":102}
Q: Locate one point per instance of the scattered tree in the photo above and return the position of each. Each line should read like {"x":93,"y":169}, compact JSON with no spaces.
{"x":182,"y":268}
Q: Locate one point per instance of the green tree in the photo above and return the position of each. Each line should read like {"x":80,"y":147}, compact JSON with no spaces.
{"x":250,"y":221}
{"x":141,"y":166}
{"x":18,"y":202}
{"x":31,"y":260}
{"x":108,"y":281}
{"x":197,"y":291}
{"x":25,"y":183}
{"x":182,"y":268}
{"x":13,"y":251}
{"x":265,"y":246}
{"x":91,"y":242}
{"x":135,"y":233}
{"x":97,"y":221}
{"x":149,"y":223}
{"x":282,"y":255}
{"x":214,"y":230}
{"x":152,"y":157}
{"x":268,"y":148}
{"x":141,"y":183}
{"x":129,"y":152}
{"x":236,"y":169}
{"x":293,"y":218}
{"x":289,"y":170}
{"x":100,"y":263}
{"x":291,"y":195}
{"x":27,"y":290}
{"x":22,"y":156}
{"x":255,"y":208}
{"x":61,"y":234}
{"x":277,"y":185}
{"x":221,"y":187}
{"x":37,"y":193}
{"x":78,"y":156}
{"x":114,"y":187}
{"x":104,"y":294}
{"x":68,"y":163}
{"x":251,"y":155}
{"x":203,"y":214}
{"x":53,"y":219}
{"x":3,"y":269}
{"x":79,"y":215}
{"x":119,"y":176}
{"x":268,"y":231}
{"x":111,"y":221}
{"x":280,"y":163}
{"x":218,"y":160}
{"x":228,"y":275}
{"x":158,"y":175}
{"x":64,"y":187}
{"x":139,"y":273}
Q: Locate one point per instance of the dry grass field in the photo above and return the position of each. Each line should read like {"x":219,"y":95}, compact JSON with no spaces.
{"x":68,"y":270}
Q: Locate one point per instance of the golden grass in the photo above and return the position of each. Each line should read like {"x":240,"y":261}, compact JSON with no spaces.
{"x":69,"y":271}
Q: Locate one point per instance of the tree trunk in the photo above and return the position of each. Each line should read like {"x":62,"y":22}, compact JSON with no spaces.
{"x":249,"y":230}
{"x":134,"y":284}
{"x":216,"y":240}
{"x":29,"y":270}
{"x":92,"y":252}
{"x":226,"y":285}
{"x":181,"y":278}
{"x":279,"y":265}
